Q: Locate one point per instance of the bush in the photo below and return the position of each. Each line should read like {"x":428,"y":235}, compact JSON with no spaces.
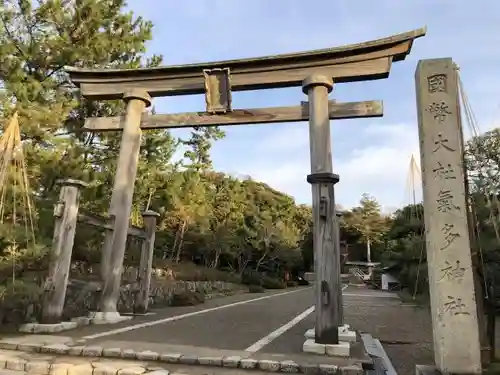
{"x":19,"y":302}
{"x":187,"y":298}
{"x":191,"y":272}
{"x":255,"y":289}
{"x":251,"y":277}
{"x":270,"y":283}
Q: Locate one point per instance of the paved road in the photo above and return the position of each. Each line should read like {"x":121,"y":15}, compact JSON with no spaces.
{"x":274,"y":322}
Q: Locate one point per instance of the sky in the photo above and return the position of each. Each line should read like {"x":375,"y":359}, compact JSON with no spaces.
{"x":370,"y":155}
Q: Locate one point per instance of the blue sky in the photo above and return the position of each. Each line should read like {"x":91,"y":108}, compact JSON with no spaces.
{"x":370,"y":155}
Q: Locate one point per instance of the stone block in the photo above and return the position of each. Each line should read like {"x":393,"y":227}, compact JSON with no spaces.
{"x":347,"y":336}
{"x":82,"y":369}
{"x":312,"y":347}
{"x":289,"y":367}
{"x":309,"y":368}
{"x":55,"y":349}
{"x":248,"y":363}
{"x":16,"y":364}
{"x":188,"y":359}
{"x":159,"y":372}
{"x":427,"y":370}
{"x":92,"y":351}
{"x":60,"y":368}
{"x":342,"y":349}
{"x":231,"y":361}
{"x":81,"y":320}
{"x":147,"y":355}
{"x":105,"y":369}
{"x":47,"y":328}
{"x":310,"y":334}
{"x":210,"y":361}
{"x":112,"y":352}
{"x":354,"y":370}
{"x":268,"y":365}
{"x":344,"y":334}
{"x":170,"y":357}
{"x":8,"y":344}
{"x":28,"y":328}
{"x":75,"y":350}
{"x":325,"y":369}
{"x":37,"y":367}
{"x":30,"y":348}
{"x":136,"y":370}
{"x":97,"y":317}
{"x":129,"y":354}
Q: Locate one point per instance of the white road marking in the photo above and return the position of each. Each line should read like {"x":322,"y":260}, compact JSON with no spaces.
{"x":275,"y":334}
{"x":182,"y":316}
{"x":281,"y":330}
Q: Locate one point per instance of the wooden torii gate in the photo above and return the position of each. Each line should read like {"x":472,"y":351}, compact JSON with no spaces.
{"x":315,"y":71}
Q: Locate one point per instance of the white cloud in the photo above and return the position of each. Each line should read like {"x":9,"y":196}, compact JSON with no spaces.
{"x":370,"y":156}
{"x":380,"y":168}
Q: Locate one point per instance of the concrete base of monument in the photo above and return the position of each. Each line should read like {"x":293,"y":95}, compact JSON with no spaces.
{"x":98,"y":317}
{"x":47,"y":328}
{"x":342,"y":349}
{"x":427,"y":370}
{"x":345,"y":334}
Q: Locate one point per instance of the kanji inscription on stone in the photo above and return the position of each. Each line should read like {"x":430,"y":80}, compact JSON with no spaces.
{"x":439,"y":111}
{"x":445,"y":171}
{"x":437,"y":83}
{"x":450,"y":234}
{"x":455,"y":306}
{"x":442,"y":143}
{"x":445,"y":201}
{"x":452,"y":272}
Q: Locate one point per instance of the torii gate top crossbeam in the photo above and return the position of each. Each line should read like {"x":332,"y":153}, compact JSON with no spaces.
{"x":355,"y":62}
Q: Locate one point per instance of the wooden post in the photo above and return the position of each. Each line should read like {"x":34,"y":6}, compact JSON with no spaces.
{"x":145,"y":267}
{"x":325,"y":244}
{"x":451,"y":280}
{"x":66,"y":214}
{"x":106,"y":252}
{"x":121,"y":199}
{"x":339,"y":302}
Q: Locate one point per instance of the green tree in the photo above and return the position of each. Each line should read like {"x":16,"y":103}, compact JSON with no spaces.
{"x":368,"y":221}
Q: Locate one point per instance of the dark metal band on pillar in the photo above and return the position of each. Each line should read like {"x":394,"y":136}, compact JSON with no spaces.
{"x":323,"y":178}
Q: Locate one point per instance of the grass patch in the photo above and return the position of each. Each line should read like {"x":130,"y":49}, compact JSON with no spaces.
{"x":191,"y":272}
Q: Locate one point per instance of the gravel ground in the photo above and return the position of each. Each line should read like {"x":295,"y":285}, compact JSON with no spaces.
{"x":404,"y":330}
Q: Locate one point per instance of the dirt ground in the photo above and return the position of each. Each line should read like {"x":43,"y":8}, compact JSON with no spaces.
{"x":404,"y":330}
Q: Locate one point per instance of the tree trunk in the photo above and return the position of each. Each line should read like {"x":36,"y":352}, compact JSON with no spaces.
{"x":181,"y":242}
{"x":368,"y":251}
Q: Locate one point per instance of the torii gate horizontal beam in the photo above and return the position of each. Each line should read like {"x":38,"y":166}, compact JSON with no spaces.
{"x":338,"y":111}
{"x":355,"y":62}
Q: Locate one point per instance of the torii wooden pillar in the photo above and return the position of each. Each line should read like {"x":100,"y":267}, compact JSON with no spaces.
{"x":315,"y":70}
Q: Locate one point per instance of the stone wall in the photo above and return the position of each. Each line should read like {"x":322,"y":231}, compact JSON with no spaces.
{"x":161,"y":291}
{"x":83,"y":297}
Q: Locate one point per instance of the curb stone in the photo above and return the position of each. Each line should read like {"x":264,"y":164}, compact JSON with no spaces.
{"x":93,"y":351}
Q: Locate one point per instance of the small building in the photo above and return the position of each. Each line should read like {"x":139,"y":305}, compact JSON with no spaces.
{"x":389,"y":282}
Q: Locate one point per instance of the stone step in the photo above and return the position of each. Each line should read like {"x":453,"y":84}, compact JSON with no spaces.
{"x":16,"y":363}
{"x":39,"y":355}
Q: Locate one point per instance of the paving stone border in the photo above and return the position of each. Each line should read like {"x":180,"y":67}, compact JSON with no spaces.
{"x":94,"y":351}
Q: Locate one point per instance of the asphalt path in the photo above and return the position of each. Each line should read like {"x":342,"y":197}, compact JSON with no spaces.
{"x":272,"y":322}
